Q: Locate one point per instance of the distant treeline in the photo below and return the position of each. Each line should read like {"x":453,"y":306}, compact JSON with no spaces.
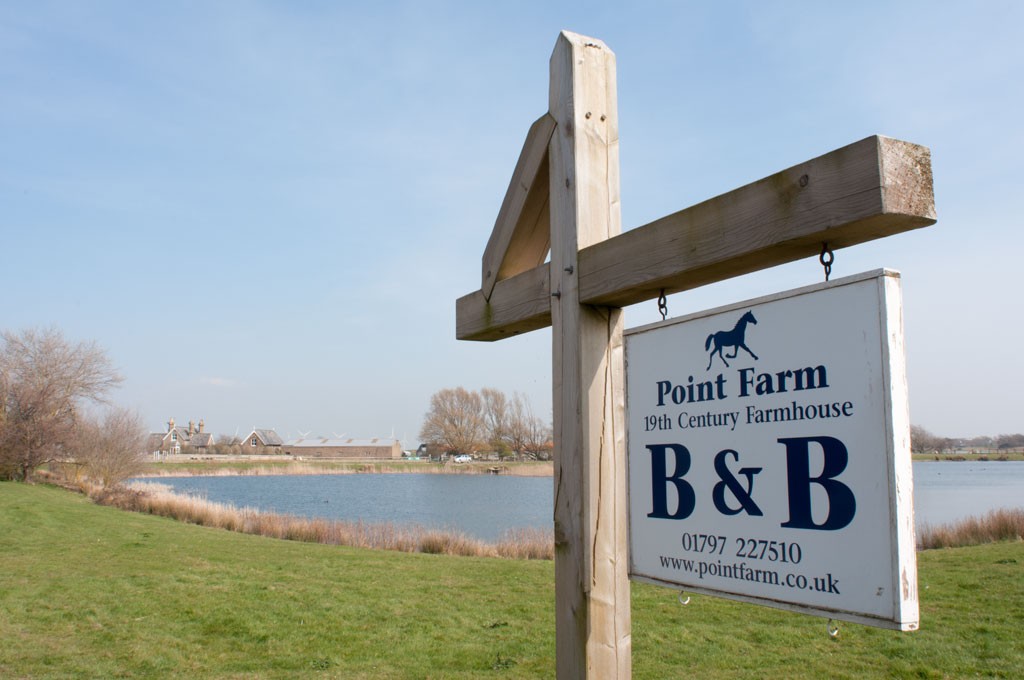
{"x":923,"y":441}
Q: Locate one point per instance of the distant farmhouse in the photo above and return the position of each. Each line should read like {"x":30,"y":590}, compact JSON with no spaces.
{"x":259,"y":441}
{"x":361,"y":449}
{"x":262,"y":442}
{"x":177,"y":438}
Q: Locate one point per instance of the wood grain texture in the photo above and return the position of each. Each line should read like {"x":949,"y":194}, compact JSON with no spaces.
{"x":873,"y":188}
{"x":870,"y":189}
{"x":592,"y":613}
{"x":517,"y":305}
{"x":521,"y":236}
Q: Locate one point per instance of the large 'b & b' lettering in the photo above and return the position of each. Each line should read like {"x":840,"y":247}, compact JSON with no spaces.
{"x":660,"y":480}
{"x":842,"y":505}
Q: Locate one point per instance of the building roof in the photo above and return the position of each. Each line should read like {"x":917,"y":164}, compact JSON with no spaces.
{"x":201,"y":439}
{"x":266,"y":437}
{"x":385,"y":442}
{"x":183,"y":435}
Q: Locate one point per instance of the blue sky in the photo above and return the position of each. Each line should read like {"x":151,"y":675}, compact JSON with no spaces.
{"x":264,"y":212}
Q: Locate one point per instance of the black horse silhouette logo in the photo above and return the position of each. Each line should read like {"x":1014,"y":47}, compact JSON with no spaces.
{"x":733,"y":338}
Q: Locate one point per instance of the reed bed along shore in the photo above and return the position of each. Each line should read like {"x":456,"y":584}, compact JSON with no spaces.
{"x":216,"y":468}
{"x":997,"y":525}
{"x":523,"y":544}
{"x":158,"y":499}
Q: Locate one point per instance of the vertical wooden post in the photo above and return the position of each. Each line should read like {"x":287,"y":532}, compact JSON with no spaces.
{"x":591,"y":580}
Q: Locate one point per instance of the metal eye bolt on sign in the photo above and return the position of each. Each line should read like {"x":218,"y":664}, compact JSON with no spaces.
{"x":763,"y":506}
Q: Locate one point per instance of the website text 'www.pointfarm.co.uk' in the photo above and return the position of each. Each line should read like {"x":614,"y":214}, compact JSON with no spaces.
{"x":741,"y":572}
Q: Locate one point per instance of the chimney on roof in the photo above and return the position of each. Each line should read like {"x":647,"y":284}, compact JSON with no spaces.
{"x":170,"y":424}
{"x":200,"y":425}
{"x":191,"y":428}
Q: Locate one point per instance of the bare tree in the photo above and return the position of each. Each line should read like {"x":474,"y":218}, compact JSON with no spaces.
{"x":923,"y":441}
{"x":1010,"y":441}
{"x":496,"y":415}
{"x":527,"y":434}
{"x":518,"y":427}
{"x":110,"y":450}
{"x":44,"y":380}
{"x":538,"y":441}
{"x":455,"y":421}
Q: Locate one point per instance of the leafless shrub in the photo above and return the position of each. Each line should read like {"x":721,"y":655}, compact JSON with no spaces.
{"x":44,"y":381}
{"x":110,"y":450}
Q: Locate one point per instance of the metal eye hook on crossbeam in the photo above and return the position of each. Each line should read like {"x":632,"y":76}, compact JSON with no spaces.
{"x":681,"y":600}
{"x":833,"y":629}
{"x":826,"y":259}
{"x":662,"y":304}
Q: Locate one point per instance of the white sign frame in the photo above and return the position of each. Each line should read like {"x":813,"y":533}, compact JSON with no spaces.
{"x":842,"y":344}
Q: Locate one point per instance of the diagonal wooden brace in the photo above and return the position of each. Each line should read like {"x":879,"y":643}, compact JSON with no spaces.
{"x":521,"y":236}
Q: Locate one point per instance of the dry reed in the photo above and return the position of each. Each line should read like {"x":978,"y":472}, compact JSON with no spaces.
{"x":159,"y":499}
{"x":997,"y":525}
{"x":524,"y":544}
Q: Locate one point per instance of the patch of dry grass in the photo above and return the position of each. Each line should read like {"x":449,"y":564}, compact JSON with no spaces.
{"x":158,"y":499}
{"x":998,"y":525}
{"x":526,"y":544}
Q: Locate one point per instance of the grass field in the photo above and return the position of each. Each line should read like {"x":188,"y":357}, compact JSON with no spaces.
{"x":94,"y":592}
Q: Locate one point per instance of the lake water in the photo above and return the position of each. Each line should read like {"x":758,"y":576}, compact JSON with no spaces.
{"x":484,"y":506}
{"x":948,"y":491}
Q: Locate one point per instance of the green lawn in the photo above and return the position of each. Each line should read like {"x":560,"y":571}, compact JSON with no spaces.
{"x":94,"y":592}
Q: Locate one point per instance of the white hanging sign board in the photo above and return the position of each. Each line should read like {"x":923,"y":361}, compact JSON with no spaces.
{"x":769,"y":453}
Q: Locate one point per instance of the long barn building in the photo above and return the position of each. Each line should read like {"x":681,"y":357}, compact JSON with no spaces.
{"x":355,"y":449}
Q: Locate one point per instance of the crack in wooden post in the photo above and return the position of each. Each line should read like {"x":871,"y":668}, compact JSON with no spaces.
{"x":591,"y":583}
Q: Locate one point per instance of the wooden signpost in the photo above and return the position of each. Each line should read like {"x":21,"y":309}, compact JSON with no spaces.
{"x":564,"y":198}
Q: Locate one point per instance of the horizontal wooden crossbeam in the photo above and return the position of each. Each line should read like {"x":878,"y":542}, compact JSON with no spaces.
{"x":870,"y":189}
